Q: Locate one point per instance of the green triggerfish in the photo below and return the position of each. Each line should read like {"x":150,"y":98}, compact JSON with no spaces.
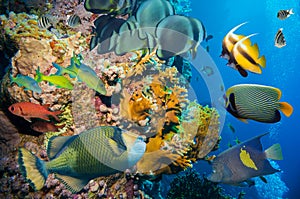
{"x":75,"y":160}
{"x":246,"y":160}
{"x":256,"y":102}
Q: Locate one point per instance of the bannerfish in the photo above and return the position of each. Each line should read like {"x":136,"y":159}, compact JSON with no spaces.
{"x":73,"y":21}
{"x":90,"y":78}
{"x":44,"y":127}
{"x":246,"y":160}
{"x":178,"y":35}
{"x":111,"y":7}
{"x":77,"y":159}
{"x":256,"y":102}
{"x":280,"y":39}
{"x":58,"y":80}
{"x":230,"y":40}
{"x":246,"y":57}
{"x":150,"y":13}
{"x":26,"y":81}
{"x":29,"y":110}
{"x":283,"y":14}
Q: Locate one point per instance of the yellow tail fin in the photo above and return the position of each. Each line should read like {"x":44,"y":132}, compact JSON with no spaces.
{"x":286,"y":108}
{"x":32,"y":168}
{"x":262,"y":61}
{"x":274,"y":152}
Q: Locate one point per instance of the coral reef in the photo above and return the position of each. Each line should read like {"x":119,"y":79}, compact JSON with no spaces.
{"x":9,"y":136}
{"x":192,"y":185}
{"x":144,"y":95}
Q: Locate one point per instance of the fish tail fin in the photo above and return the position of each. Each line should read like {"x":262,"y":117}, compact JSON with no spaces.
{"x":39,"y":76}
{"x":286,"y":108}
{"x":274,"y":152}
{"x":12,"y":78}
{"x":291,"y":11}
{"x":58,"y":67}
{"x":32,"y":168}
{"x":262,"y":61}
{"x":55,"y":113}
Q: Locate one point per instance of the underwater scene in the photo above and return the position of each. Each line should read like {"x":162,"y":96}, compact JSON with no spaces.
{"x":162,"y":99}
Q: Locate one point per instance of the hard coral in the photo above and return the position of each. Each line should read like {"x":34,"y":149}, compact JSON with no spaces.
{"x":191,"y":185}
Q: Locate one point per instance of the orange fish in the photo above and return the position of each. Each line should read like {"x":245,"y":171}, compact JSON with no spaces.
{"x":29,"y":110}
{"x":44,"y":127}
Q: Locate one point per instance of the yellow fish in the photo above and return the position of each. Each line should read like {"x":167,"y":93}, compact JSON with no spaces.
{"x":247,"y":57}
{"x":230,"y":40}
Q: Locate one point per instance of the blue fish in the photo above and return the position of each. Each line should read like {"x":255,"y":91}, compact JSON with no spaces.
{"x":26,"y":81}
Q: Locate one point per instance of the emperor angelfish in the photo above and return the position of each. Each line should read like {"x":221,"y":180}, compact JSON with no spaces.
{"x":256,"y":102}
{"x":246,"y":57}
{"x":244,"y":161}
{"x":75,"y":160}
{"x":177,"y":35}
{"x":150,"y":13}
{"x":230,"y":40}
{"x":112,"y":7}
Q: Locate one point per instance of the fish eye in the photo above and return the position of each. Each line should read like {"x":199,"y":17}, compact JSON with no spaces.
{"x":12,"y":108}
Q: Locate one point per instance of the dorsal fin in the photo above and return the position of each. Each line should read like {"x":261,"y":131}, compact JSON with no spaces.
{"x":56,"y":144}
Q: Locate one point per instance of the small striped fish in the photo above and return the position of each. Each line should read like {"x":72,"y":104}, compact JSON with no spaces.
{"x":279,"y":39}
{"x":283,"y":14}
{"x":73,"y":21}
{"x":44,"y":22}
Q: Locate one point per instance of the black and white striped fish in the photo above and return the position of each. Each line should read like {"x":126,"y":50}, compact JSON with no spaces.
{"x":283,"y":14}
{"x":44,"y":22}
{"x":279,"y":39}
{"x":73,"y":21}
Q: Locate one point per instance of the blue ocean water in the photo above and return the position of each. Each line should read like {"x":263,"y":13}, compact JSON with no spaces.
{"x":281,"y":72}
